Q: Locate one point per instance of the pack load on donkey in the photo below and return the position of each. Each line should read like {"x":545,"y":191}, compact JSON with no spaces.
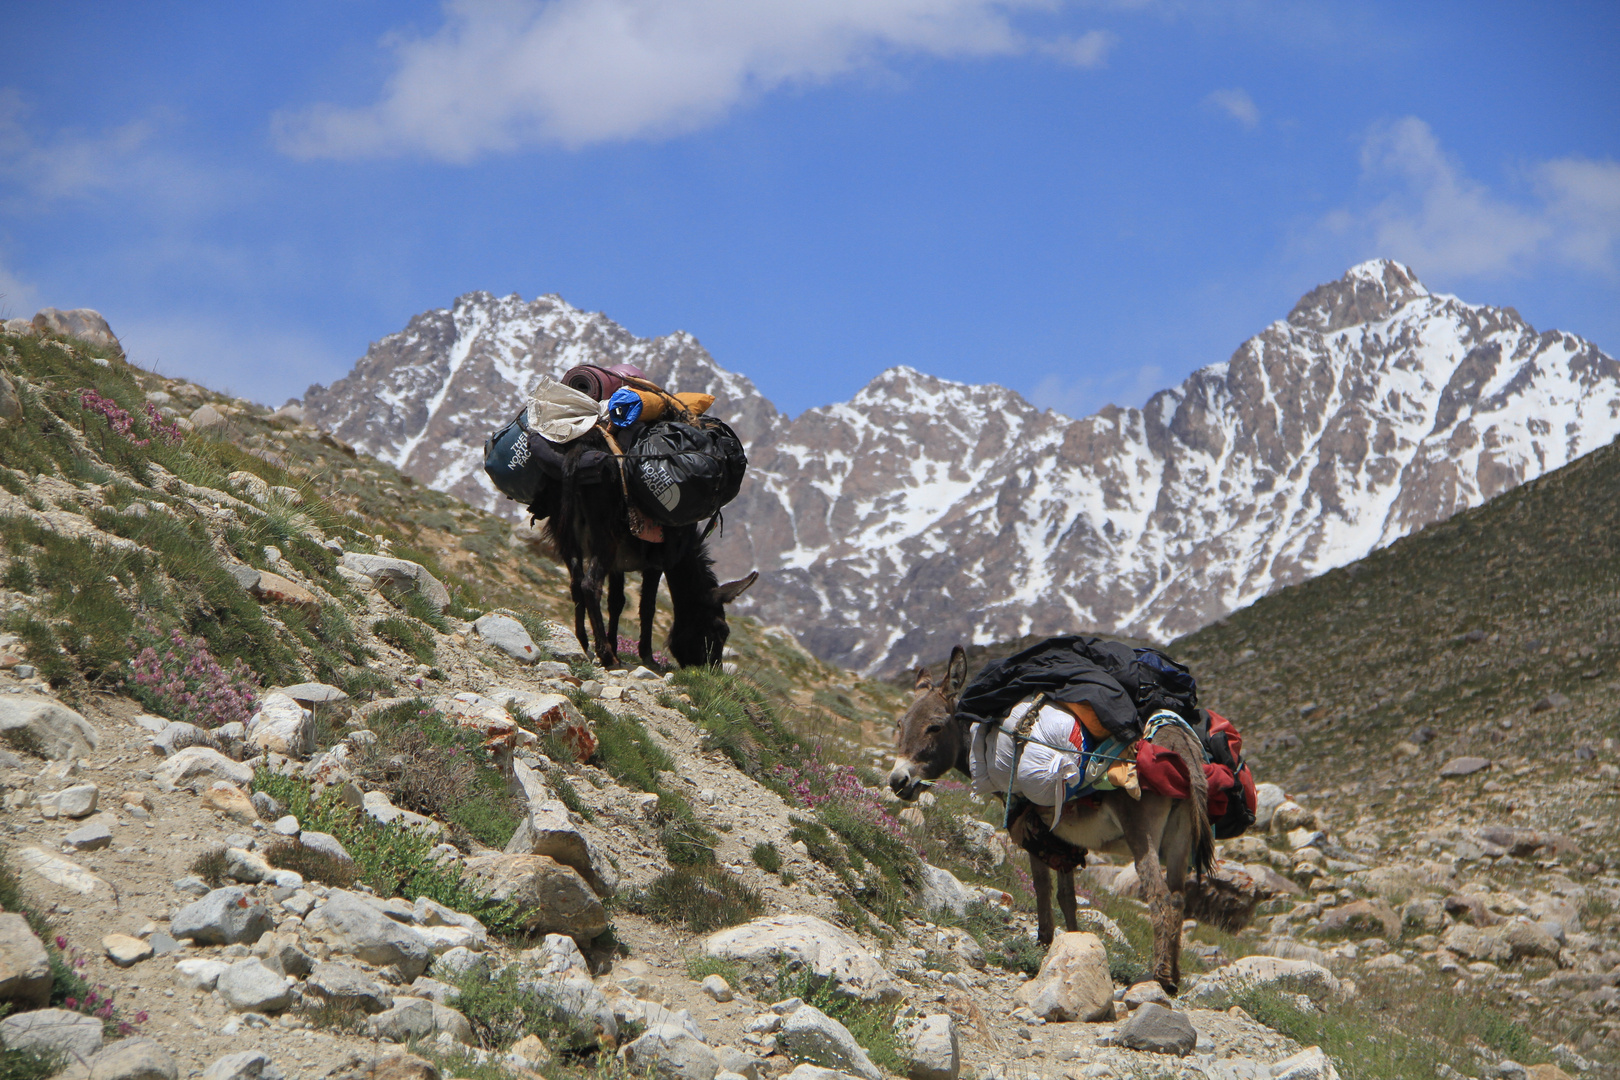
{"x":1075,"y":715}
{"x":623,"y":472}
{"x":677,"y":464}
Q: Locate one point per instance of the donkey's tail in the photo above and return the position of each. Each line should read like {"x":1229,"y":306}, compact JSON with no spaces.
{"x":1185,"y":744}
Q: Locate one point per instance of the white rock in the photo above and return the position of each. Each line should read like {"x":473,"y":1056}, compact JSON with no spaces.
{"x":398,"y":575}
{"x":930,"y":1047}
{"x":942,"y":890}
{"x":808,"y":1034}
{"x":75,"y":802}
{"x":199,"y":973}
{"x":1073,"y":983}
{"x":1268,"y":798}
{"x":508,"y":635}
{"x":249,"y":986}
{"x":825,"y":950}
{"x":1309,"y":1064}
{"x":201,"y":765}
{"x":225,"y":916}
{"x":282,"y":726}
{"x":1295,"y":976}
{"x":348,"y":924}
{"x":716,"y":987}
{"x":45,"y":727}
{"x":247,"y":1065}
{"x":670,"y":1052}
{"x":57,"y":871}
{"x":59,"y":1030}
{"x":377,"y":806}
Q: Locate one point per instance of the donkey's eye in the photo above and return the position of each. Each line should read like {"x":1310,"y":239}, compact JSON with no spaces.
{"x":932,"y":728}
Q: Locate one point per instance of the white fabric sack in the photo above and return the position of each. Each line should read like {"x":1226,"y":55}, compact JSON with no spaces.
{"x":1043,"y":773}
{"x":561,"y":413}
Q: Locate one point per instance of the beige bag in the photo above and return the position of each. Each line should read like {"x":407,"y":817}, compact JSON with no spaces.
{"x":561,"y":413}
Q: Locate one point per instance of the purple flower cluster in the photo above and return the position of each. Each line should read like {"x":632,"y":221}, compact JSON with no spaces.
{"x":813,"y":782}
{"x":97,"y":1002}
{"x":633,"y":648}
{"x":178,"y":677}
{"x":124,"y":424}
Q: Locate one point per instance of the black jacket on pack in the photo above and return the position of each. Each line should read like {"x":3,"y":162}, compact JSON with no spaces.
{"x":1064,"y":670}
{"x":1124,"y":686}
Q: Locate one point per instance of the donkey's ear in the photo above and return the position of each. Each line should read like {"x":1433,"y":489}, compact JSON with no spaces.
{"x":924,"y":681}
{"x":956,"y":672}
{"x":732,"y":589}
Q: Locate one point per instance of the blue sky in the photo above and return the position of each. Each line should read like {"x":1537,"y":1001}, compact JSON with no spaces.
{"x":1082,"y":201}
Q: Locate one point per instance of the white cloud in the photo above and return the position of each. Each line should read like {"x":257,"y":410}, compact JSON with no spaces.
{"x":1235,"y":103}
{"x":18,"y":298}
{"x":1082,"y":395}
{"x":40,"y":169}
{"x":266,"y":363}
{"x":503,"y":74}
{"x":1430,"y":214}
{"x":1089,"y":50}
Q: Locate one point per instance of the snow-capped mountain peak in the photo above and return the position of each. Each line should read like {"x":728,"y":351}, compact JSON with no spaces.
{"x":923,"y":512}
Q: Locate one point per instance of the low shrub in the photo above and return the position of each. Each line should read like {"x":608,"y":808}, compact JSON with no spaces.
{"x":767,"y":857}
{"x":429,"y":765}
{"x":699,"y":968}
{"x":392,"y":859}
{"x":211,"y":866}
{"x":312,"y":863}
{"x":408,"y":636}
{"x":701,"y":897}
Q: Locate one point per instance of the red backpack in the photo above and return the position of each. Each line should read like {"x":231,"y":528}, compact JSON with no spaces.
{"x":1232,"y":797}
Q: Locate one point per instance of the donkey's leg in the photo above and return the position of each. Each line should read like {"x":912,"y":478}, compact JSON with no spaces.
{"x":1144,"y":831}
{"x":1040,"y":876}
{"x":576,"y":590}
{"x":1065,"y":891}
{"x":592,"y":588}
{"x":649,"y":612}
{"x":1175,"y":852}
{"x":615,"y":608}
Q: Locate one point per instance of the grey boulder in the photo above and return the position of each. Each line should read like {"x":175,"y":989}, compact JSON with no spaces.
{"x":822,"y":948}
{"x":347,"y":988}
{"x":25,"y":969}
{"x":1157,"y":1030}
{"x":249,"y":986}
{"x":350,"y":925}
{"x":133,"y":1059}
{"x":247,"y":1065}
{"x":225,"y":916}
{"x":45,"y":728}
{"x":930,"y":1047}
{"x":52,"y":1031}
{"x":392,"y":576}
{"x":508,"y":635}
{"x":808,"y":1034}
{"x":671,"y":1052}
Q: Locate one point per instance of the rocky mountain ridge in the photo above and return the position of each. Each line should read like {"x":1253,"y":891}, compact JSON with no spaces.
{"x":963,"y":513}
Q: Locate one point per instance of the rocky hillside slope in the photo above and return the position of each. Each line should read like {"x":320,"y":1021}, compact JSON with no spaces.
{"x":965,"y":513}
{"x":288,"y":794}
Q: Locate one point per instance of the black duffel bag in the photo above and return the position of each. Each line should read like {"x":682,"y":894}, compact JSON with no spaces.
{"x":512,"y":466}
{"x":528,"y":468}
{"x":681,"y":472}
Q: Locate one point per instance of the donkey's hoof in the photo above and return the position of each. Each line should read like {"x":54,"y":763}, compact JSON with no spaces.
{"x":1170,"y":986}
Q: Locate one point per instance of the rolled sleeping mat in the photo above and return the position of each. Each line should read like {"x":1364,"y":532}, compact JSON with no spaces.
{"x":599,"y":383}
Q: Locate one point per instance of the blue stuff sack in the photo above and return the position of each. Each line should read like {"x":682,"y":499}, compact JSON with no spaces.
{"x":624,"y":407}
